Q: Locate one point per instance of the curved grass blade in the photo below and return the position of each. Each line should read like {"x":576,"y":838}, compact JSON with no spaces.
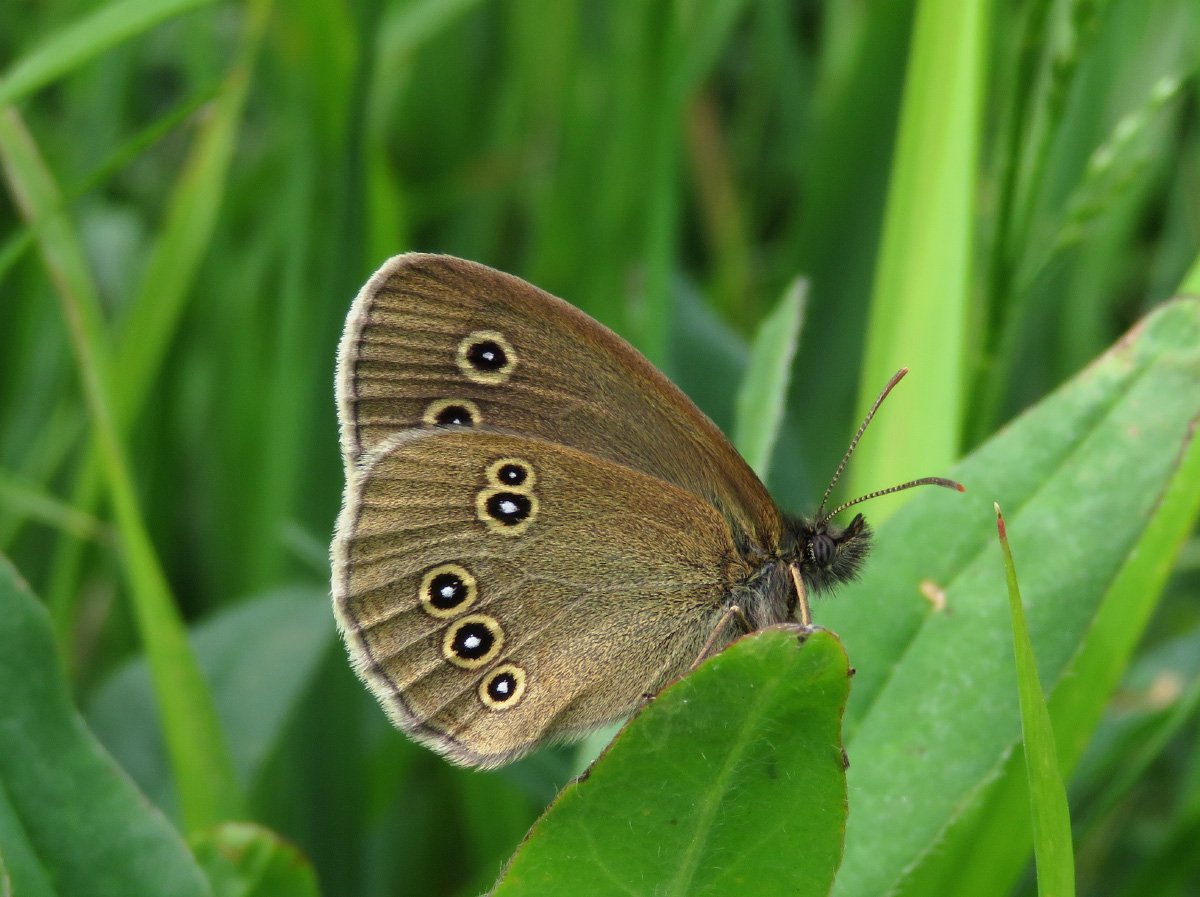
{"x":84,"y":40}
{"x":1052,"y":844}
{"x":203,"y":769}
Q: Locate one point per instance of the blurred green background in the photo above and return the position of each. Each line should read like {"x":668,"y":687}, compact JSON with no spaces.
{"x":196,"y":190}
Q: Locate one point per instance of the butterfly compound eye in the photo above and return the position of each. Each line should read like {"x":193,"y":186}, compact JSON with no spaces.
{"x":821,"y":549}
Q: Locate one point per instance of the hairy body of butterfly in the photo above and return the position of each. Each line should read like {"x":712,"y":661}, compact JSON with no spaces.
{"x":538,"y":527}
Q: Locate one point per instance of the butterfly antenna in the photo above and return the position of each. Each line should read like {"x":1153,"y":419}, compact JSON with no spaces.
{"x":837,"y":474}
{"x":923,"y":481}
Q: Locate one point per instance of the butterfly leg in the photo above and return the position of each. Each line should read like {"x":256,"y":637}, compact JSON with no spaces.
{"x":732,"y":612}
{"x":801,"y":597}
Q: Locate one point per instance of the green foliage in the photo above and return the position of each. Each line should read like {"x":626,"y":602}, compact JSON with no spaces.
{"x":726,"y":764}
{"x":70,"y":821}
{"x":1053,"y":847}
{"x":988,"y":193}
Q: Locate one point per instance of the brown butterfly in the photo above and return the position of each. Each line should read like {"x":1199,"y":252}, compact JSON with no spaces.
{"x":538,"y":527}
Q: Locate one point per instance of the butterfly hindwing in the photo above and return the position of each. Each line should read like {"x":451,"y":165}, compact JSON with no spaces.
{"x":498,"y":590}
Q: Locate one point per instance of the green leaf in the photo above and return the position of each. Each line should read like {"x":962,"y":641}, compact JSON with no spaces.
{"x":246,"y":860}
{"x":1052,"y":842}
{"x":706,"y":788}
{"x":70,"y":821}
{"x":933,"y":714}
{"x":763,"y":393}
{"x":991,"y":844}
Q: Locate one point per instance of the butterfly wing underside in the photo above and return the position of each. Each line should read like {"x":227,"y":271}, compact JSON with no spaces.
{"x":499,"y":591}
{"x":437,"y":340}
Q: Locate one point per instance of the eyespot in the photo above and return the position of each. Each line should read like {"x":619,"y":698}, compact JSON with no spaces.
{"x":511,"y":473}
{"x":506,"y":511}
{"x":503,"y":688}
{"x":447,"y":590}
{"x":485,"y":356}
{"x":472,"y":641}
{"x":452,"y":413}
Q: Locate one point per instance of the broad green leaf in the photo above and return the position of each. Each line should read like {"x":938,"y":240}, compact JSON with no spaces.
{"x":730,"y":782}
{"x":933,"y":715}
{"x":1048,"y":797}
{"x":71,"y":823}
{"x":762,"y":395}
{"x":246,"y":860}
{"x":988,"y":848}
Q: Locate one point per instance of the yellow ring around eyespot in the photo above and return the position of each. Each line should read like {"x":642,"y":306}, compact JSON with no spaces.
{"x":497,"y":526}
{"x":518,"y":692}
{"x":446,"y":613}
{"x":493,"y":474}
{"x":435,"y":408}
{"x":473,"y":663}
{"x":492,"y":378}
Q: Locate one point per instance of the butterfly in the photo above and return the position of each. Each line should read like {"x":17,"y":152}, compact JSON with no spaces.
{"x":538,"y":528}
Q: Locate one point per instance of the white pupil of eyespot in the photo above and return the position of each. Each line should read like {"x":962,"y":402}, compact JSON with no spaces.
{"x":502,"y":686}
{"x":508,"y":507}
{"x":447,"y":591}
{"x":471,"y":641}
{"x":489,"y":356}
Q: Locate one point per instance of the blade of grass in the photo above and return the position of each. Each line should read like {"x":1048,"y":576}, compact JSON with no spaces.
{"x":762,"y":395}
{"x":921,"y":292}
{"x":16,"y":245}
{"x":84,"y":40}
{"x":21,"y":498}
{"x":202,"y":766}
{"x":691,"y":45}
{"x":158,"y":303}
{"x":1052,"y":844}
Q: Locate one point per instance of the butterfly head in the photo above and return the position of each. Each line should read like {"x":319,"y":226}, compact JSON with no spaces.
{"x":828,"y":554}
{"x":825,"y":554}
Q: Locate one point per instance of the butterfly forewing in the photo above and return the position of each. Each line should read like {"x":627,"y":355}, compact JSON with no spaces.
{"x":438,"y":341}
{"x":497,"y":591}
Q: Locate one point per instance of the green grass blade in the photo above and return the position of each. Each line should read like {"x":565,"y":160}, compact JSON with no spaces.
{"x":23,"y":499}
{"x":159,"y":300}
{"x":1052,"y":844}
{"x":165,"y":284}
{"x":203,"y":770}
{"x":920,"y":296}
{"x":84,"y":40}
{"x":762,"y":396}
